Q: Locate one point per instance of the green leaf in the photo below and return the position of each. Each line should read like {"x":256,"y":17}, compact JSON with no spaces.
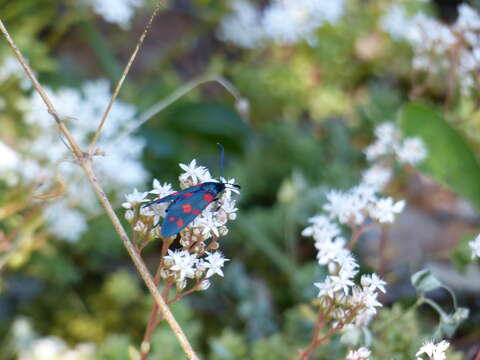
{"x":449,"y":323}
{"x":211,"y":120}
{"x":450,"y":159}
{"x":424,"y":281}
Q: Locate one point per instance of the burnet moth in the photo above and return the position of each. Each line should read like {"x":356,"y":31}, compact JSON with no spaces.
{"x":187,"y":204}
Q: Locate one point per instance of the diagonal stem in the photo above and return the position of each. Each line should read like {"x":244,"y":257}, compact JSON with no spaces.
{"x":85,"y":162}
{"x":124,"y":75}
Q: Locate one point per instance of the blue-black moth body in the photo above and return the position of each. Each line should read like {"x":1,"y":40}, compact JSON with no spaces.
{"x":187,"y":204}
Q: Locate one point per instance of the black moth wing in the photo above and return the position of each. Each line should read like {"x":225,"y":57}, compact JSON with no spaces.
{"x":184,"y":210}
{"x":175,"y":196}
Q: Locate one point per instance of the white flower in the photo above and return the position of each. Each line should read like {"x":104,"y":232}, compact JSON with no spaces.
{"x":230,"y":209}
{"x":329,"y":250}
{"x":282,"y":21}
{"x":119,"y":12}
{"x":384,"y":209}
{"x":475,"y":246}
{"x":326,"y":288}
{"x":322,"y":229}
{"x":376,"y":150}
{"x":119,"y":170}
{"x":387,"y":132}
{"x":373,"y":282}
{"x":214,"y":263}
{"x":411,"y":151}
{"x":359,"y":354}
{"x":395,"y":21}
{"x":64,"y":221}
{"x":342,"y":283}
{"x":350,"y":206}
{"x":242,"y":27}
{"x":182,"y":262}
{"x":11,"y":67}
{"x":135,"y":198}
{"x":229,"y":188}
{"x":468,"y":18}
{"x":204,"y":285}
{"x":193,"y":172}
{"x":140,"y":227}
{"x":161,"y":190}
{"x":434,"y":352}
{"x":208,"y":224}
{"x":53,"y":348}
{"x":377,"y":176}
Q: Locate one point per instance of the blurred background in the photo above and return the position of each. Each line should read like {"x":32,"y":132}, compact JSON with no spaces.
{"x":310,"y":85}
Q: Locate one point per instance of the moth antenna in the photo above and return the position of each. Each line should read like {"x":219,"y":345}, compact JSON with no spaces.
{"x":222,"y":155}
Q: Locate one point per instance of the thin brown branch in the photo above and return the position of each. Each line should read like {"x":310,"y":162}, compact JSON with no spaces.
{"x":357,"y":232}
{"x":318,"y":341}
{"x":176,"y":95}
{"x":382,"y":262}
{"x":74,"y":147}
{"x":124,"y":75}
{"x":187,"y":292}
{"x":85,"y":163}
{"x":153,"y":320}
{"x":322,"y":319}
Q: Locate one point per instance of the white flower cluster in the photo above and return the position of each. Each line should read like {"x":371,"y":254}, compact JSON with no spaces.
{"x":433,"y":41}
{"x":339,"y":287}
{"x":181,"y":264}
{"x":34,"y":159}
{"x":349,"y":299}
{"x":195,"y":260}
{"x":10,"y":67}
{"x":54,"y":348}
{"x":389,"y":144}
{"x":118,"y":12}
{"x":282,"y":21}
{"x":354,"y":206}
{"x":359,"y":354}
{"x":30,"y":346}
{"x":475,"y":247}
{"x":434,"y":352}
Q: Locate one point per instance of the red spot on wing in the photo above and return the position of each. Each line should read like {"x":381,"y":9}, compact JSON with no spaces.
{"x":171,"y":218}
{"x":180,"y":222}
{"x":187,"y":208}
{"x":196,"y":211}
{"x":208,"y":197}
{"x":187,"y":194}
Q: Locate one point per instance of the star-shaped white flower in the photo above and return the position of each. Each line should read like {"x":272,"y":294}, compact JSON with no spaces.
{"x":193,"y":172}
{"x":373,"y":282}
{"x":134,"y":199}
{"x":475,"y":246}
{"x":434,"y":352}
{"x":161,"y":190}
{"x":384,"y":209}
{"x":229,"y":188}
{"x":183,"y":262}
{"x":214,"y":263}
{"x":326,"y":288}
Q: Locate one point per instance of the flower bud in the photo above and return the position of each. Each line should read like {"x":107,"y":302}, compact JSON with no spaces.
{"x":223,"y":230}
{"x":181,"y":284}
{"x":204,"y":285}
{"x":129,"y":215}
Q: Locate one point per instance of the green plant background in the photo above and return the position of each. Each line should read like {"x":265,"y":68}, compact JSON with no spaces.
{"x":312,"y":111}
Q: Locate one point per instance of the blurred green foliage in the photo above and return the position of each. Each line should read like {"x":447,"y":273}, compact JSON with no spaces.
{"x":312,"y":110}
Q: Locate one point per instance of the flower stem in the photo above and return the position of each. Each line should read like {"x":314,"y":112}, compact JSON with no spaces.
{"x":85,"y":162}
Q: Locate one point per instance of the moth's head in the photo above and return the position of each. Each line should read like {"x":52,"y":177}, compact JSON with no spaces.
{"x":215,"y":187}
